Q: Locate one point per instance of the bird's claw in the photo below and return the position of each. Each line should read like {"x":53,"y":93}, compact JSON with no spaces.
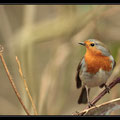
{"x":90,"y":105}
{"x":107,"y":88}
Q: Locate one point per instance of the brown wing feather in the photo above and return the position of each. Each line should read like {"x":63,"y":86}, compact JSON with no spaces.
{"x":114,"y":64}
{"x":78,"y":80}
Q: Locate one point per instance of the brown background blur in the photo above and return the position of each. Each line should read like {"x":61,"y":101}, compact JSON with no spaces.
{"x":45,"y":39}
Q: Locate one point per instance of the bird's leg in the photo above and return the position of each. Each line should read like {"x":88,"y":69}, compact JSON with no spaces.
{"x":87,"y":90}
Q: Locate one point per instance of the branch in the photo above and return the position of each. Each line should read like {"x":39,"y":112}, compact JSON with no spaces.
{"x":11,"y":80}
{"x":95,"y":100}
{"x":103,"y":109}
{"x":26,"y":87}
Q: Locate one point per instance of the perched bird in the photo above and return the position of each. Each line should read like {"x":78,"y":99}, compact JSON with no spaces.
{"x":94,"y":69}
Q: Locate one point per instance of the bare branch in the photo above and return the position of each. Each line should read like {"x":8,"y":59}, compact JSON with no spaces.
{"x":26,"y":87}
{"x":102,"y":109}
{"x":11,"y":81}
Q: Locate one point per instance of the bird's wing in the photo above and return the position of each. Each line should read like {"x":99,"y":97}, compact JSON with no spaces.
{"x":78,"y":80}
{"x":114,"y":64}
{"x":113,"y":61}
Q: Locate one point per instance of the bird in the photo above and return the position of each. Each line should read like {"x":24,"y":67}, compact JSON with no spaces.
{"x":94,"y":69}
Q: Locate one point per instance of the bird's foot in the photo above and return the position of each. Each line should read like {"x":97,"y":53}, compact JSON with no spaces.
{"x":107,"y":88}
{"x":90,"y":105}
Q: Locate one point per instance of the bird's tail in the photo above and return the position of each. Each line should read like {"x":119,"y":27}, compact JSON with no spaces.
{"x":83,"y":96}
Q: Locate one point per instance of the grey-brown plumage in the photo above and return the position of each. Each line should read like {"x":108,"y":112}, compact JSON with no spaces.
{"x":78,"y":80}
{"x":83,"y":95}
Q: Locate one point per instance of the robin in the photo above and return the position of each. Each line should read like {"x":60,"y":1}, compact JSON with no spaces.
{"x":94,"y":69}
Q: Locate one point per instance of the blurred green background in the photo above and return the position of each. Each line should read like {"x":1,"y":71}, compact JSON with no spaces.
{"x":45,"y":39}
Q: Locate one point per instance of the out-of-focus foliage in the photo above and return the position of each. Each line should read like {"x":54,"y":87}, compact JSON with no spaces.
{"x":45,"y":39}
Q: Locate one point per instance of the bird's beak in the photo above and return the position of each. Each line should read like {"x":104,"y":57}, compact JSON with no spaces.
{"x":82,"y":43}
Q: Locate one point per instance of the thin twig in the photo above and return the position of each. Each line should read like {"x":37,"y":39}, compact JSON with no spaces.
{"x":12,"y":82}
{"x":26,"y":86}
{"x":102,"y":109}
{"x":95,"y":100}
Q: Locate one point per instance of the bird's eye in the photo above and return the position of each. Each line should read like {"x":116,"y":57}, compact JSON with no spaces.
{"x":92,"y":44}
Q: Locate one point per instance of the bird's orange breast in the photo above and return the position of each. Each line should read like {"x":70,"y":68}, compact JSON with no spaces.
{"x":95,"y":62}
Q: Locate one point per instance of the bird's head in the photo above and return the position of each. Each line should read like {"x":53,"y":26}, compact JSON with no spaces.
{"x":95,"y":47}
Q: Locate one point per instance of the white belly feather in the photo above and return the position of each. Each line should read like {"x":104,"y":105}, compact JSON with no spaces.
{"x":93,"y":80}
